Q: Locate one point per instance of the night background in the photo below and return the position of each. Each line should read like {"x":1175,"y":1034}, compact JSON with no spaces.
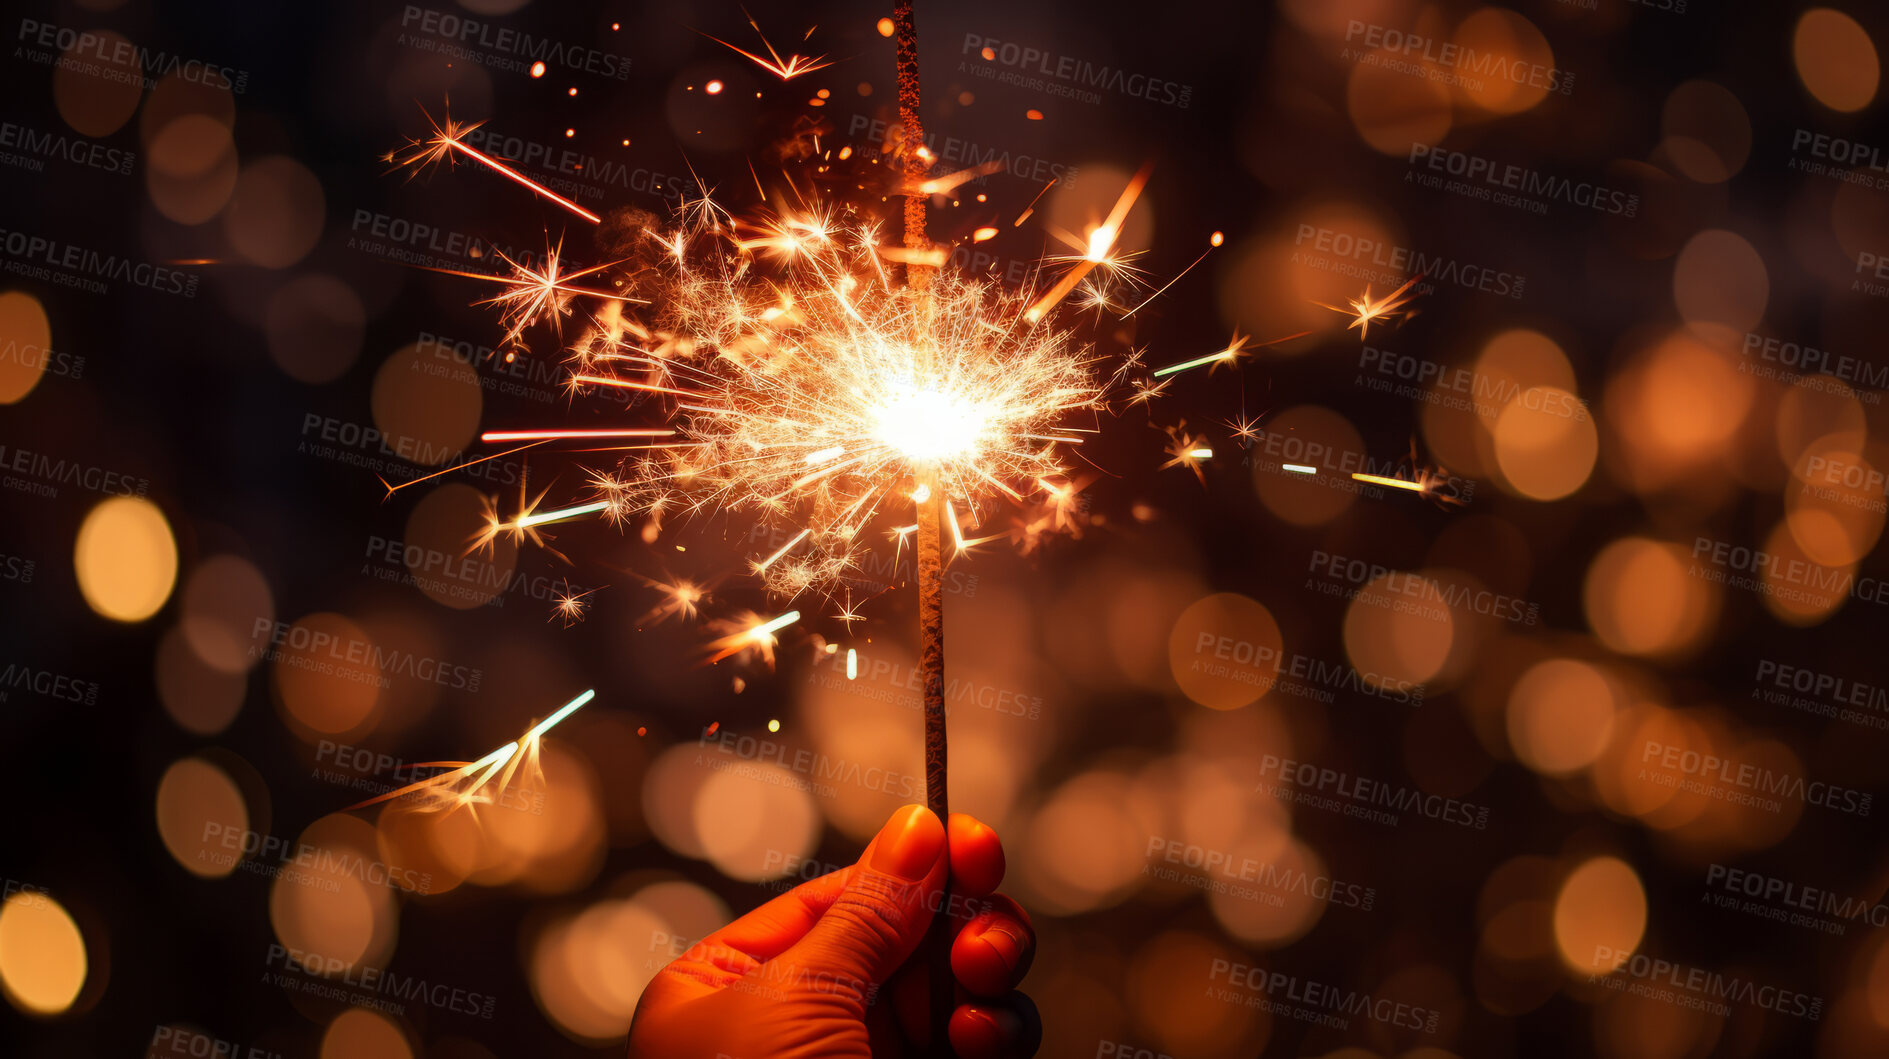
{"x":1561,"y":741}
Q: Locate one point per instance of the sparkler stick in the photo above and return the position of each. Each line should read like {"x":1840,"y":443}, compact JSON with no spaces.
{"x":929,"y":566}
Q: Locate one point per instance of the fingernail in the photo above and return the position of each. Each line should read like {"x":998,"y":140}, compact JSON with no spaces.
{"x":1007,"y":946}
{"x":909,"y":843}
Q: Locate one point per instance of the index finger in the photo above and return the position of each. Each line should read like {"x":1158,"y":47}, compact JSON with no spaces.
{"x":977,"y":856}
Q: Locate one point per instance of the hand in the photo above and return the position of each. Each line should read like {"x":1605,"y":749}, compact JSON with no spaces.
{"x":827,"y":970}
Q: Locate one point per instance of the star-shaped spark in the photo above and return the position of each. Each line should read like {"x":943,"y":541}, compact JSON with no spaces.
{"x":570,"y":606}
{"x":1366,"y":309}
{"x":848,"y":614}
{"x":1187,"y":449}
{"x":541,"y":293}
{"x":448,"y":144}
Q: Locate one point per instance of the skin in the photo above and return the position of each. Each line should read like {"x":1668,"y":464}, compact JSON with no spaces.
{"x":828,"y":971}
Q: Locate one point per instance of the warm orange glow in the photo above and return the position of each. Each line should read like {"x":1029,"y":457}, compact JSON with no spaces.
{"x":194,"y":799}
{"x":1836,"y":59}
{"x":1560,"y":716}
{"x":1601,"y":907}
{"x":125,"y":559}
{"x":25,"y":344}
{"x":42,"y":954}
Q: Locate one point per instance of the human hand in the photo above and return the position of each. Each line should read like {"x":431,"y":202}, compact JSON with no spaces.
{"x":825,"y":971}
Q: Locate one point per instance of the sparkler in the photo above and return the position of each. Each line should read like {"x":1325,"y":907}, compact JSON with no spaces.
{"x":809,"y":375}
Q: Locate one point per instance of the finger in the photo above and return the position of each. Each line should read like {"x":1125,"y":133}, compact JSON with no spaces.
{"x":881,"y":915}
{"x":994,"y":951}
{"x":977,"y":856}
{"x":1006,"y":1029}
{"x":770,"y":929}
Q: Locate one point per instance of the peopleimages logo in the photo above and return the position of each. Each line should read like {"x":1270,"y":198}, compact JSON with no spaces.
{"x":1392,"y":583}
{"x":1792,"y":898}
{"x":1286,"y":990}
{"x":1345,"y":249}
{"x":77,"y":45}
{"x":75,"y":149}
{"x":1067,"y":75}
{"x":1216,"y":865}
{"x":1760,"y":571}
{"x":1752,"y":782}
{"x":38,"y":257}
{"x":1361,"y":796}
{"x":1494,"y":65}
{"x":315,"y":644}
{"x":455,"y":34}
{"x":1699,"y":982}
{"x":1487,"y":178}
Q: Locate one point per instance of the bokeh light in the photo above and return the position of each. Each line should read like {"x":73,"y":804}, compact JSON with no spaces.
{"x":1836,"y":60}
{"x":25,"y":345}
{"x":125,"y":559}
{"x":1599,"y":915}
{"x":43,"y":960}
{"x":198,"y":807}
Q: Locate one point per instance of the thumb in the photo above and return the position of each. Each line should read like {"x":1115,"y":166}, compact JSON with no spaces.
{"x":881,"y":917}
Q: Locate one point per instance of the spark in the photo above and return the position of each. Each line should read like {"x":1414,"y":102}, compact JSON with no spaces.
{"x":1225,"y":356}
{"x":1423,"y":481}
{"x":538,"y":294}
{"x":1235,"y":348}
{"x":804,"y":383}
{"x":848,"y":615}
{"x":448,"y":139}
{"x":1031,"y":208}
{"x":1394,"y":483}
{"x":553,"y":435}
{"x":1299,"y":468}
{"x":680,"y":600}
{"x":1244,"y":428}
{"x":786,"y":69}
{"x":1366,"y":309}
{"x":750,"y":634}
{"x":852,"y":664}
{"x":392,"y":489}
{"x":795,"y":377}
{"x":1186,"y":449}
{"x":785,"y":548}
{"x":570,"y":607}
{"x":1146,"y":391}
{"x":561,"y":515}
{"x":1099,"y":246}
{"x":1177,"y":277}
{"x":491,"y":780}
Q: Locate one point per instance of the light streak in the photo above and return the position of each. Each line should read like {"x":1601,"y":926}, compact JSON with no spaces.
{"x":1236,"y":347}
{"x":785,"y":548}
{"x":1394,"y":483}
{"x":767,"y":629}
{"x":487,"y":780}
{"x":448,"y":138}
{"x":392,"y":489}
{"x":748,"y":633}
{"x":1177,"y":277}
{"x":852,"y":664}
{"x":1299,"y":468}
{"x":560,"y":515}
{"x":554,"y":435}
